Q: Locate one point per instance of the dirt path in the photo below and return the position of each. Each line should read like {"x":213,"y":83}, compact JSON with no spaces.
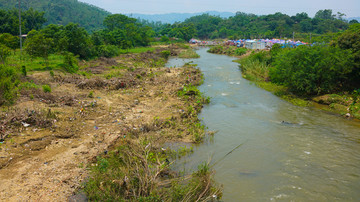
{"x":49,"y":164}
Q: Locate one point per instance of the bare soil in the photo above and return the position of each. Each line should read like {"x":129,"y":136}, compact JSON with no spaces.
{"x":50,"y":138}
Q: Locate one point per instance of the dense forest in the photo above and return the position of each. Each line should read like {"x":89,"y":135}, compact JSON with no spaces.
{"x":62,"y":12}
{"x":244,"y":25}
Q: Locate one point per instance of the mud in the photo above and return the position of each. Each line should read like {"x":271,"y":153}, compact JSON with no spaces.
{"x":50,"y":138}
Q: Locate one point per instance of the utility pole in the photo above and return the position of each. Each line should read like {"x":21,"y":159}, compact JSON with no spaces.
{"x":293,"y":36}
{"x":310,"y":38}
{"x":20,"y":26}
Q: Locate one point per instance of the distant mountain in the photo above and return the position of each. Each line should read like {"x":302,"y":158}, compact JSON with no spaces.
{"x":176,"y":17}
{"x":63,"y":11}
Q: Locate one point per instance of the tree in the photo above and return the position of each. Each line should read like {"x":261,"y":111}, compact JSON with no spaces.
{"x":118,"y":21}
{"x":350,"y":40}
{"x":353,"y":21}
{"x":4,"y":53}
{"x":33,"y":20}
{"x":9,"y":40}
{"x":325,"y":14}
{"x":38,"y":45}
{"x":74,"y":39}
{"x":312,"y":70}
{"x":123,"y":32}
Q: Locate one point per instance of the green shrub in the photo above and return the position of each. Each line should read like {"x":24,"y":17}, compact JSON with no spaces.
{"x":9,"y":79}
{"x":91,"y":94}
{"x":108,"y":51}
{"x":46,"y":88}
{"x":312,"y":70}
{"x":189,"y":53}
{"x":165,"y":39}
{"x":165,"y":54}
{"x":240,"y":51}
{"x":5,"y":52}
{"x":70,"y":62}
{"x":23,"y":70}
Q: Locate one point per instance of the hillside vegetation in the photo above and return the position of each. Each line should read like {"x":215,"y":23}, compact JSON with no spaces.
{"x":63,"y":12}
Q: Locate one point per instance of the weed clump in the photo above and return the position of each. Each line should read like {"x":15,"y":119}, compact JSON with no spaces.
{"x":46,"y":88}
{"x":9,"y":80}
{"x":140,"y":172}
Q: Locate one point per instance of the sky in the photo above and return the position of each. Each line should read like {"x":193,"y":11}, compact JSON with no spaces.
{"x":260,"y":7}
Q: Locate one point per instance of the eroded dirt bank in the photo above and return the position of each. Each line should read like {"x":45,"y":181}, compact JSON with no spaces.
{"x":49,"y":138}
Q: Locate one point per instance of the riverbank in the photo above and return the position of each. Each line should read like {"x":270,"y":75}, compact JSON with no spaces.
{"x":341,"y":103}
{"x":256,"y":69}
{"x":129,"y":105}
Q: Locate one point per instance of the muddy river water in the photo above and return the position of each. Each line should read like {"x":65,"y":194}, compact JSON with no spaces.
{"x":313,"y":156}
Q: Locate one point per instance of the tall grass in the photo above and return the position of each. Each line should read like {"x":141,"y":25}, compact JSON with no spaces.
{"x":140,"y":172}
{"x":255,"y":67}
{"x":35,"y":64}
{"x":188,"y":53}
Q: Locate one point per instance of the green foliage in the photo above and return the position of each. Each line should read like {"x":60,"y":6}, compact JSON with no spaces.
{"x":244,"y":25}
{"x":107,"y":51}
{"x":91,"y":94}
{"x":46,"y":88}
{"x":8,"y":83}
{"x":37,"y":45}
{"x":5,"y":52}
{"x":137,"y":50}
{"x":188,"y":53}
{"x":312,"y":70}
{"x":350,"y":40}
{"x":9,"y":20}
{"x":76,"y":40}
{"x":132,"y":173}
{"x":255,"y":67}
{"x":228,"y":50}
{"x":240,"y":51}
{"x":9,"y":40}
{"x":60,"y":12}
{"x":165,"y":54}
{"x":165,"y":39}
{"x":23,"y":70}
{"x":70,"y":62}
{"x":124,"y":32}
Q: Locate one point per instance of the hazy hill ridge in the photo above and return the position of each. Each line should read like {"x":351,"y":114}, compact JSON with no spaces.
{"x":176,"y":17}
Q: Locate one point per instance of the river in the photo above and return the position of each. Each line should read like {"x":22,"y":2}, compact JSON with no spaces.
{"x":314,"y":156}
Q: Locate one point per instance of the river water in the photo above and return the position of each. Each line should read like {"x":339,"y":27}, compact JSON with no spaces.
{"x":314,"y":156}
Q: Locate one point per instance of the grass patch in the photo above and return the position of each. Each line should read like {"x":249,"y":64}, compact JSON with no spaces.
{"x":35,"y":64}
{"x":189,"y":53}
{"x":137,"y":50}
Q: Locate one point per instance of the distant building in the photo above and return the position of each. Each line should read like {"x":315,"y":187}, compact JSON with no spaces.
{"x":257,"y":45}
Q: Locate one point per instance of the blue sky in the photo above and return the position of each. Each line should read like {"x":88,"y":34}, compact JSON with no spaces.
{"x":350,"y":7}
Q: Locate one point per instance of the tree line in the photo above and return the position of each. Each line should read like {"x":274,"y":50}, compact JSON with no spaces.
{"x":311,"y":70}
{"x":120,"y":32}
{"x":244,"y":25}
